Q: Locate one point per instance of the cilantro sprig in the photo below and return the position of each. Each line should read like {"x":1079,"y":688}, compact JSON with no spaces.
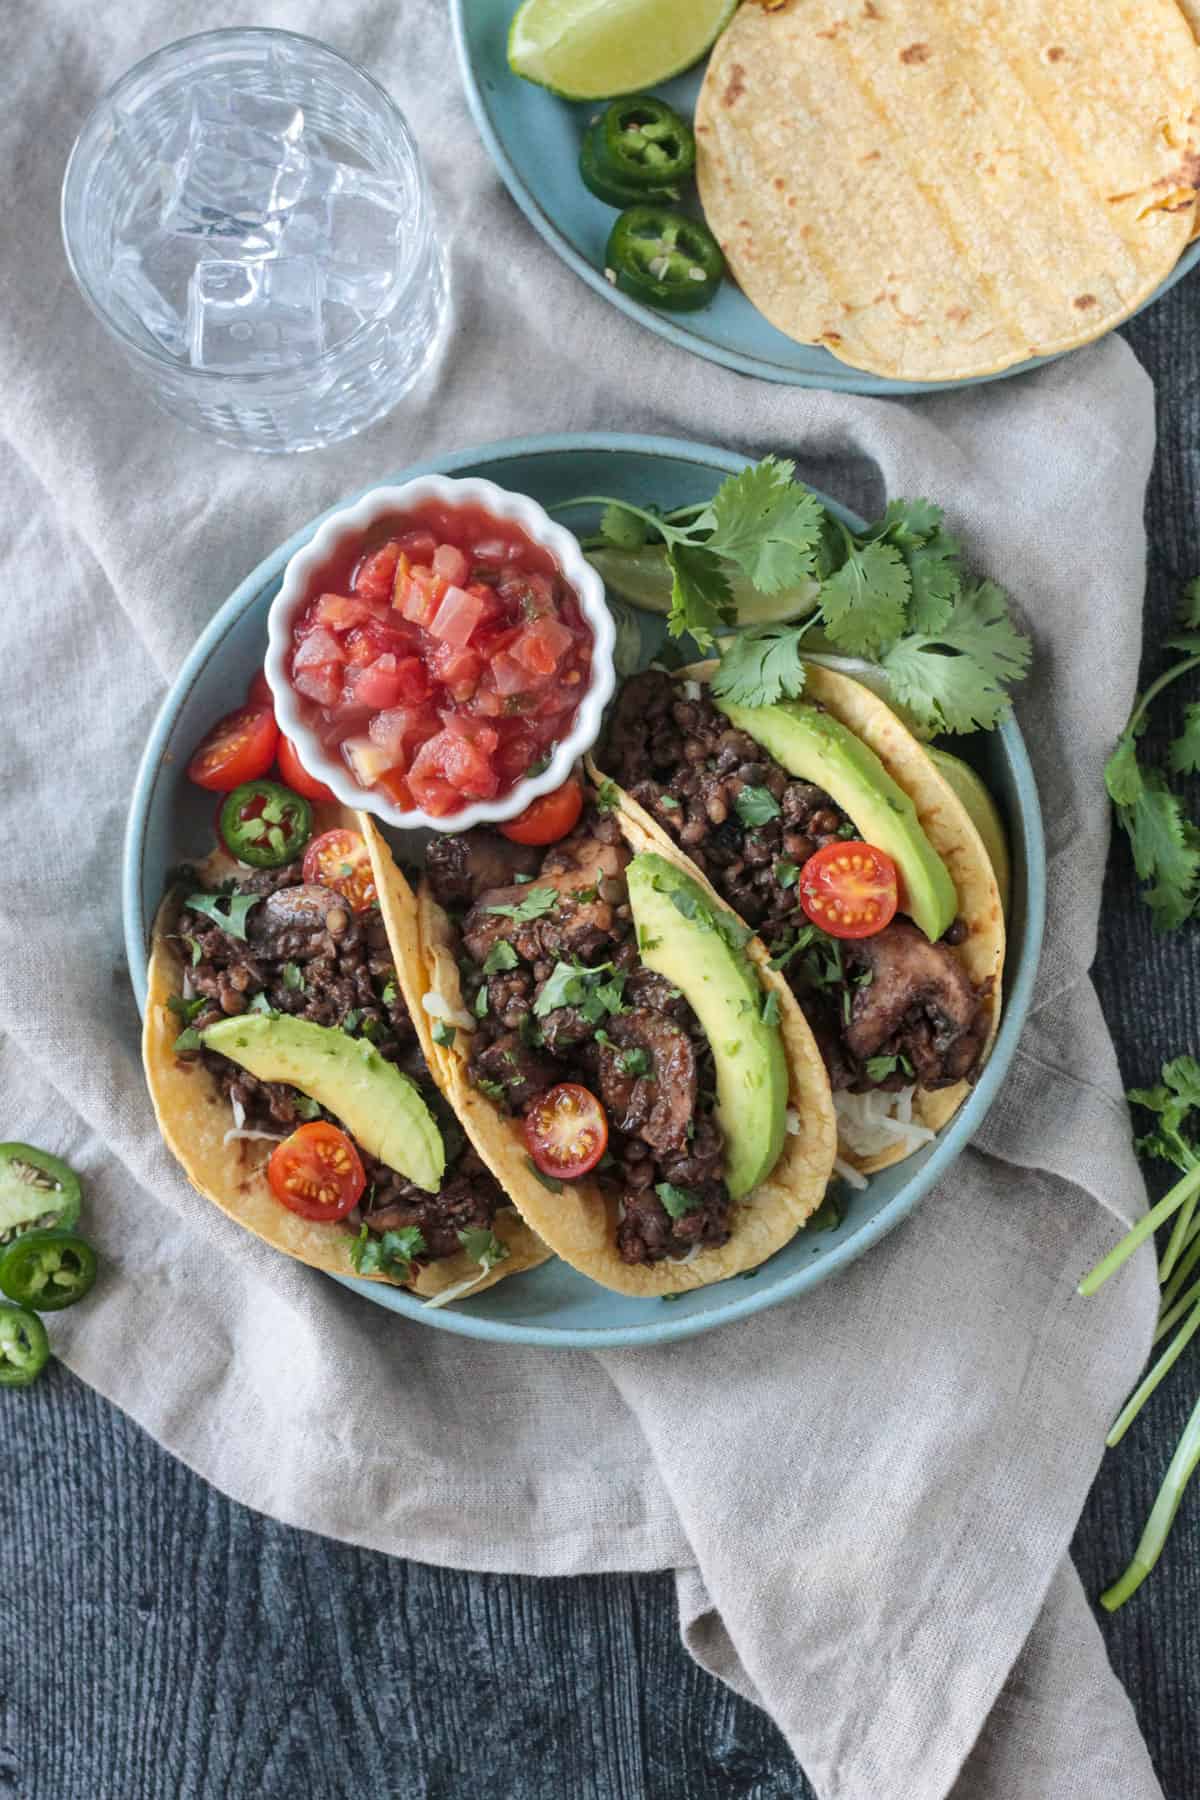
{"x":1174,"y":1106}
{"x":1164,"y":840}
{"x":896,"y":594}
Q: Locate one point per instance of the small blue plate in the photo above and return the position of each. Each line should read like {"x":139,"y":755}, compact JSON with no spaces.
{"x":533,"y":139}
{"x":171,"y":820}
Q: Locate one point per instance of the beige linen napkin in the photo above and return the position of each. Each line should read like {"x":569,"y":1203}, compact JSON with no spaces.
{"x":868,"y":1494}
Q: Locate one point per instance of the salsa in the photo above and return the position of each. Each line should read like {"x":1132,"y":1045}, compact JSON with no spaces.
{"x":442,"y":659}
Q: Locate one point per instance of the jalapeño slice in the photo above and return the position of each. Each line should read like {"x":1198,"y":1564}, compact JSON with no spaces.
{"x":644,"y":143}
{"x":613,"y":189}
{"x":265,"y":824}
{"x":24,"y":1346}
{"x":47,"y":1270}
{"x":664,"y":258}
{"x":36,"y":1189}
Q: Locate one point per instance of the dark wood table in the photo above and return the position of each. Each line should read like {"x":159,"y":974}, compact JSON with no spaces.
{"x":158,"y":1642}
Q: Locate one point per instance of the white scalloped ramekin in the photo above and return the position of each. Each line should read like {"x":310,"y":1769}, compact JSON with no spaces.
{"x":354,"y":521}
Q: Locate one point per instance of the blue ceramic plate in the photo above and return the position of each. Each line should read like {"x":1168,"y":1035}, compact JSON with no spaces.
{"x":534,"y":138}
{"x":170,"y":820}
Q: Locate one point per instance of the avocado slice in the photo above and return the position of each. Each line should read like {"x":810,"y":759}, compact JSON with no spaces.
{"x":37,"y":1192}
{"x":380,"y":1108}
{"x":984,"y":815}
{"x":698,"y":946}
{"x":814,"y":746}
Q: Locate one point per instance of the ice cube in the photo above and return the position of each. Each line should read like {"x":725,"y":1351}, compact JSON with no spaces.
{"x":249,"y":316}
{"x":362,"y":232}
{"x":233,"y":180}
{"x":217,"y":103}
{"x":151,"y":281}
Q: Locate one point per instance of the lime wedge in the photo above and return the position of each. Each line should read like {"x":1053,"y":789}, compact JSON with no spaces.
{"x":593,"y":49}
{"x":643,"y":577}
{"x":983,"y":814}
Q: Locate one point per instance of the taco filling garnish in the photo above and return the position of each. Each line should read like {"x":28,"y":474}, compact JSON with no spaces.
{"x":894,"y":955}
{"x":290,"y":1079}
{"x":646,"y":1091}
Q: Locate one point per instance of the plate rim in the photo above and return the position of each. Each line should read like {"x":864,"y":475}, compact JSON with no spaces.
{"x":152,"y":768}
{"x":854,"y":381}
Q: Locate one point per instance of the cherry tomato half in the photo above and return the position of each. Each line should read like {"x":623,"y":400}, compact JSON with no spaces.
{"x":547,"y":818}
{"x":566,"y":1131}
{"x":240,"y":747}
{"x":296,"y":776}
{"x":259,"y":693}
{"x":317,"y":1172}
{"x":340,"y":860}
{"x":851,"y":890}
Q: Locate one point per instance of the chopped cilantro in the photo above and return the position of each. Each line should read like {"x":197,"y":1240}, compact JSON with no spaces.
{"x":577,"y":985}
{"x":293,"y":977}
{"x":677,"y":1200}
{"x":389,"y":994}
{"x":756,"y":806}
{"x":306,"y":1108}
{"x":351,"y":1019}
{"x":541,"y":763}
{"x":669,"y":801}
{"x":187,"y":1009}
{"x":499,"y":958}
{"x":483,"y":1247}
{"x":232,"y":920}
{"x":188,"y":1041}
{"x":260,"y":1004}
{"x":197,"y":950}
{"x":531,"y":1032}
{"x":547,"y":1181}
{"x":786,"y":872}
{"x":442,"y":1033}
{"x":771,"y":1008}
{"x":880,"y":1067}
{"x":495,"y":1090}
{"x":537,"y":902}
{"x":827,"y":1217}
{"x":522,"y":880}
{"x":608,"y":797}
{"x":392,"y":1253}
{"x":481,"y":1002}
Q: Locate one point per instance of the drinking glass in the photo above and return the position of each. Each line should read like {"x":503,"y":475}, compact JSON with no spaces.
{"x":246,"y":213}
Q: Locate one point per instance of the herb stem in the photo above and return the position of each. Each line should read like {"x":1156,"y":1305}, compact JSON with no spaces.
{"x":1170,"y":1316}
{"x":1183,"y":1268}
{"x":1147,"y":1385}
{"x":1145,"y":1227}
{"x":654,"y":520}
{"x":1180,"y":1233}
{"x":1156,"y":687}
{"x":1179,"y":1473}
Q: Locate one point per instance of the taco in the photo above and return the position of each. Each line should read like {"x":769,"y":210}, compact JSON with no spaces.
{"x":904,"y":1015}
{"x":618,"y":1051}
{"x":283,"y":1046}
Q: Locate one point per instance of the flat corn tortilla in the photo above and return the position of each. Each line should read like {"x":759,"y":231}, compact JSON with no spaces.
{"x":579,"y":1223}
{"x":937,"y":189}
{"x":949,"y":829}
{"x":194,"y":1118}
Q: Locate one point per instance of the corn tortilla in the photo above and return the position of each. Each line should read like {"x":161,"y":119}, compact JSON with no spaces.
{"x":937,"y":189}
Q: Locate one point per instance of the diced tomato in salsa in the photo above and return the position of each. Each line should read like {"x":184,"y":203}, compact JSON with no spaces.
{"x":442,"y":658}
